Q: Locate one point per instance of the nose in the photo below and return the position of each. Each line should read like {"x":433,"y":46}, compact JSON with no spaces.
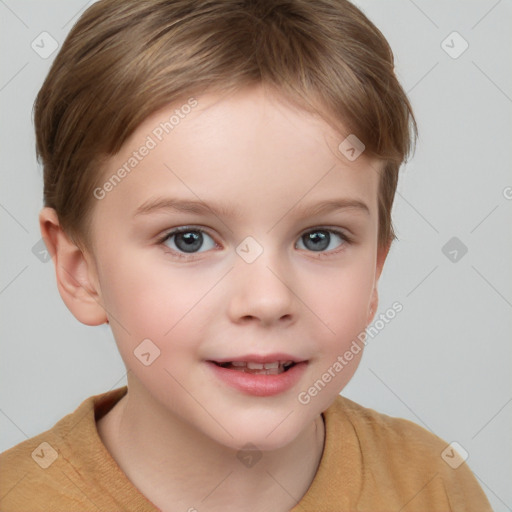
{"x":261,"y":292}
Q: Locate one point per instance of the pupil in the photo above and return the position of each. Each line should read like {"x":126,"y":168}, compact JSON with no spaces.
{"x":189,"y":241}
{"x":317,"y":240}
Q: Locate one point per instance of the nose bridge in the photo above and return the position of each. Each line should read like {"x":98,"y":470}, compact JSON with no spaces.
{"x":261,"y":287}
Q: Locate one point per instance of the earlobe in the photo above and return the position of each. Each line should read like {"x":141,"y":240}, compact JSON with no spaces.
{"x":76,"y":276}
{"x":374,"y":304}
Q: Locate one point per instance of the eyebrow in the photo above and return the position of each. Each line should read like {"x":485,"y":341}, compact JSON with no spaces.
{"x":159,"y":204}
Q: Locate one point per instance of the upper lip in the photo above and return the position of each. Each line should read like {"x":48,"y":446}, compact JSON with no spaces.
{"x":260,"y":358}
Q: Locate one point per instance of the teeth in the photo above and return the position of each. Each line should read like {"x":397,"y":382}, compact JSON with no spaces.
{"x":273,"y":368}
{"x":260,"y":366}
{"x":264,"y":371}
{"x":254,"y":366}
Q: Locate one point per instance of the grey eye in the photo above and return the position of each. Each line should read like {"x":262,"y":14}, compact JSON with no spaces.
{"x":189,"y":241}
{"x":320,"y":240}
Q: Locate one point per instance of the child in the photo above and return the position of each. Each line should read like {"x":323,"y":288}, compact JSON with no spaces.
{"x":218,"y":183}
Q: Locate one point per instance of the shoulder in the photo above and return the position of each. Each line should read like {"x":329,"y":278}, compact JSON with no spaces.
{"x":51,"y":470}
{"x":376,"y":429}
{"x":407,"y":458}
{"x":31,"y":473}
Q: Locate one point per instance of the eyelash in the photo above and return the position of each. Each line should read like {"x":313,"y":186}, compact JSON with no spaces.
{"x":321,"y":254}
{"x":177,"y":231}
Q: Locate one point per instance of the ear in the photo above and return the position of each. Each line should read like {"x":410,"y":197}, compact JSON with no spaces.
{"x":75,"y":272}
{"x":382,"y":253}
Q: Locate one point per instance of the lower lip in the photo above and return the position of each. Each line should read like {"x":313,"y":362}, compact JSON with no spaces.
{"x":260,"y":385}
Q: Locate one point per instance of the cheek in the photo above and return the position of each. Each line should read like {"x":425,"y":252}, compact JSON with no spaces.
{"x":160,"y":302}
{"x":342,"y":297}
{"x":149,"y":323}
{"x":150,"y":296}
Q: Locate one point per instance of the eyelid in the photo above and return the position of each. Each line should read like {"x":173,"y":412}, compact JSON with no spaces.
{"x":183,"y":229}
{"x":335,"y":229}
{"x":344,"y":233}
{"x":347,"y":239}
{"x":341,"y":232}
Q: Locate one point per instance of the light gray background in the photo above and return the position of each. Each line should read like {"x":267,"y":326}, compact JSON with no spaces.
{"x":444,"y":362}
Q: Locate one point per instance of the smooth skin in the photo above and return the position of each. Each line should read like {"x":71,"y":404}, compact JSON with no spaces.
{"x":177,"y":432}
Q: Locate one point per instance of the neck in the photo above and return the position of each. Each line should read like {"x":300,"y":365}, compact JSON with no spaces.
{"x":177,"y":467}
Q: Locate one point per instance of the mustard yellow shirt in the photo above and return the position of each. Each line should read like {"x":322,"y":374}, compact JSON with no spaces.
{"x":371,"y":462}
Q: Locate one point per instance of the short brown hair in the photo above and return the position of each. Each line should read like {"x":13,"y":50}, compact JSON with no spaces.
{"x":126,"y":59}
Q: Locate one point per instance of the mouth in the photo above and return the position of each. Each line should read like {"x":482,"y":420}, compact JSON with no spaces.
{"x":260,"y":376}
{"x":269,"y":368}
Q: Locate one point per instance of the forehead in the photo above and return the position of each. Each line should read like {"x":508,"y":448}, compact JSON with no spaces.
{"x":241,"y":148}
{"x":251,"y":125}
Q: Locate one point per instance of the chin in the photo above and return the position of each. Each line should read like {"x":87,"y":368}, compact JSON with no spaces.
{"x":260,"y":437}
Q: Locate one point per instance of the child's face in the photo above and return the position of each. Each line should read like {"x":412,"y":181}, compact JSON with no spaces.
{"x":265,"y":162}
